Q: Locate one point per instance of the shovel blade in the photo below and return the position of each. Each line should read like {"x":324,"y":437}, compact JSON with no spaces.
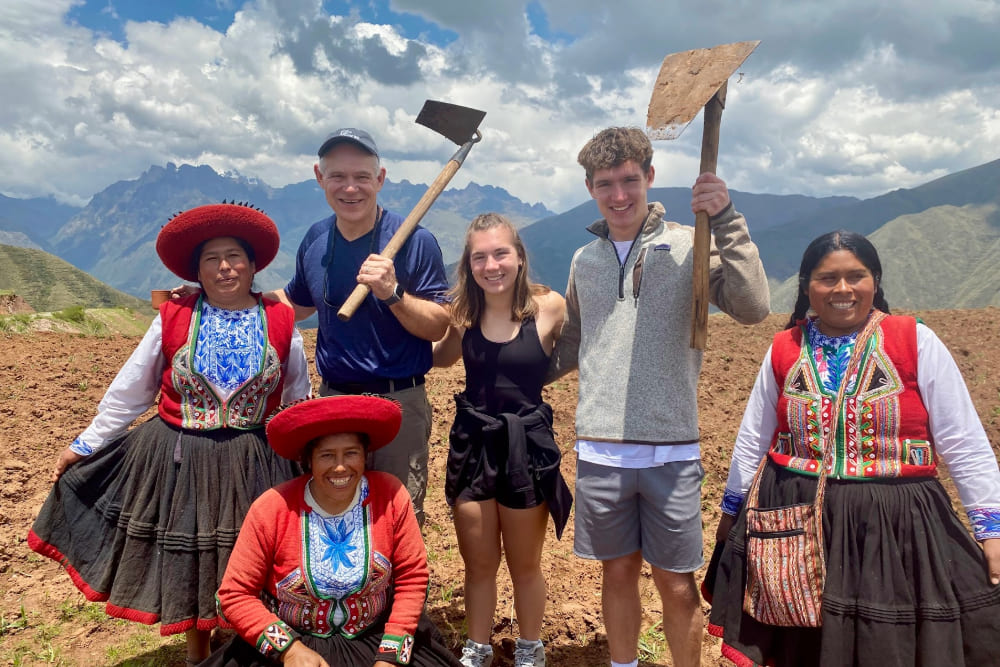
{"x":687,"y":81}
{"x":456,"y":123}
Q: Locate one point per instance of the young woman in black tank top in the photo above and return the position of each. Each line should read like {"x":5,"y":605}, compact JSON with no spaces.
{"x":503,"y":465}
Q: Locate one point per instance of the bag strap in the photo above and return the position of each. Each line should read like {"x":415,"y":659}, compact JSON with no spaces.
{"x":829,"y":440}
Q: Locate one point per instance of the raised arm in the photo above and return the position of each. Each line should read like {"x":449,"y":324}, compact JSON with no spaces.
{"x":737,"y":282}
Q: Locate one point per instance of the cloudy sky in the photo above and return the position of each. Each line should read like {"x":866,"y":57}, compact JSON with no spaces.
{"x":854,"y":97}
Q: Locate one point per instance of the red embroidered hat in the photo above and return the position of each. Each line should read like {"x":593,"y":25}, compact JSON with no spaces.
{"x":179,"y":238}
{"x":291,"y":429}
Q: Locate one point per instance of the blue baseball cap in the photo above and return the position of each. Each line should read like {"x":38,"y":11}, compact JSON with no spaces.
{"x":353,"y":135}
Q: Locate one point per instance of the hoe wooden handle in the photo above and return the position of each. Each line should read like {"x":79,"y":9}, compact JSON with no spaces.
{"x":702,"y":231}
{"x":360,"y":292}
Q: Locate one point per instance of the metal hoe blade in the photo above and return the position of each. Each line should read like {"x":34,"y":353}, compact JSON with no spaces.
{"x":686,"y":82}
{"x":450,"y":120}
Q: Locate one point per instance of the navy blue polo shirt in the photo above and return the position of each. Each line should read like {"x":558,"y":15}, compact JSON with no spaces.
{"x":372,"y":344}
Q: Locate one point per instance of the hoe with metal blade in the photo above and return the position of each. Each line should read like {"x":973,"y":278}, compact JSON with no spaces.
{"x":687,"y":82}
{"x":460,"y":125}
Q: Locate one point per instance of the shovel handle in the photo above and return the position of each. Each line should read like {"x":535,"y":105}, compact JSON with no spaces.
{"x":702,"y":230}
{"x":360,"y":292}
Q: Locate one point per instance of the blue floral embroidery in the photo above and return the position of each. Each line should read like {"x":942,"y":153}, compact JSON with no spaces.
{"x":338,"y":554}
{"x":230,"y":345}
{"x":985,"y":522}
{"x":338,"y":547}
{"x":831,"y":353}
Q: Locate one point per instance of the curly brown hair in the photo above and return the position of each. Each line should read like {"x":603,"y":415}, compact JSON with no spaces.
{"x":614,"y":146}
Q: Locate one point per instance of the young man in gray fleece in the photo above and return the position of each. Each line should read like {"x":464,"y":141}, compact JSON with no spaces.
{"x":639,"y":473}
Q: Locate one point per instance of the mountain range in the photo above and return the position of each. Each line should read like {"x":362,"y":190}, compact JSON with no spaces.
{"x":113,"y":237}
{"x":940,"y":242}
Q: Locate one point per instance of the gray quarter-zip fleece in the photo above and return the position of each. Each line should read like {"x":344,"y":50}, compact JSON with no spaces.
{"x":627,"y":325}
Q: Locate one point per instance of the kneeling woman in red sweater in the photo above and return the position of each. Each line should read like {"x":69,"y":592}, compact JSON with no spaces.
{"x":330,"y":568}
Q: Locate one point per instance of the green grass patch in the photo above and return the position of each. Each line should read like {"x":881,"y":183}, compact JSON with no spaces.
{"x":15,"y":623}
{"x":13,"y":324}
{"x":652,"y":643}
{"x":71,"y":314}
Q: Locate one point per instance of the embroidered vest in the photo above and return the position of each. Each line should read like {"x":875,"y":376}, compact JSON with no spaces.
{"x":187,"y":399}
{"x":882,"y":429}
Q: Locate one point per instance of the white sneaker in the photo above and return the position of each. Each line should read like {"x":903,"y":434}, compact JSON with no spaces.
{"x":477,"y":655}
{"x":529,"y":654}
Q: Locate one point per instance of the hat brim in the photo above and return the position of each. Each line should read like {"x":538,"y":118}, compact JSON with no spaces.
{"x":291,"y":429}
{"x":179,"y":238}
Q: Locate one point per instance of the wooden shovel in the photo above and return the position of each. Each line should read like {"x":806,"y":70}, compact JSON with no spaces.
{"x":461,"y":125}
{"x":688,"y":81}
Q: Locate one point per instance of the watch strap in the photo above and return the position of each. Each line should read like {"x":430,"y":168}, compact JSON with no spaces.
{"x":395,"y":297}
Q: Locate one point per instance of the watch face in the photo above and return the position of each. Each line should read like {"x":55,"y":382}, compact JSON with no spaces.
{"x":398,"y":292}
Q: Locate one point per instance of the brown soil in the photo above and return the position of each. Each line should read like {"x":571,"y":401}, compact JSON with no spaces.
{"x":12,"y":304}
{"x":50,"y":384}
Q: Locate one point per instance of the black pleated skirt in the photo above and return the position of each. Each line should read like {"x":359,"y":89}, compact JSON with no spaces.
{"x":906,"y":583}
{"x":428,"y":649}
{"x":147,"y":523}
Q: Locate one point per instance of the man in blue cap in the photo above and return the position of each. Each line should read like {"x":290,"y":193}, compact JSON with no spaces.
{"x":385,"y":348}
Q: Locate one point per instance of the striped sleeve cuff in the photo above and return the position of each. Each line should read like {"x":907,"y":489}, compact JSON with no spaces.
{"x":78,"y":446}
{"x":985,"y":522}
{"x":395,"y":649}
{"x":276,"y":638}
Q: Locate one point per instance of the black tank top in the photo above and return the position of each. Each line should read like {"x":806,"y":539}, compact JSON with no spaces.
{"x":504,"y":377}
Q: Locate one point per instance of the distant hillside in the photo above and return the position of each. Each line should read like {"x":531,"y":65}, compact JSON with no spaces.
{"x":33,"y":219}
{"x":48,"y":283}
{"x":944,"y":257}
{"x":551,"y":242}
{"x":781,"y":247}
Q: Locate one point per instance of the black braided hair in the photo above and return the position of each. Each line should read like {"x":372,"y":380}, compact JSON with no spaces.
{"x":820,"y":247}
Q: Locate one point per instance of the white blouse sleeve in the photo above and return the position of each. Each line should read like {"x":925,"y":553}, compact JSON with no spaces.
{"x":130,"y":394}
{"x":959,"y":437}
{"x":297,"y":383}
{"x":754,"y":437}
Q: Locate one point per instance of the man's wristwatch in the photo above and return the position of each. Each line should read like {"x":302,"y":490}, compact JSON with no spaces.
{"x":395,"y":297}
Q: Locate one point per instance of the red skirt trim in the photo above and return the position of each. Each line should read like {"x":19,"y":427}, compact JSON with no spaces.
{"x":40,"y":546}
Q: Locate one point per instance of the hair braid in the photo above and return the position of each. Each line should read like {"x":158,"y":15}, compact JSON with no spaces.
{"x":800,"y":310}
{"x":879,"y":301}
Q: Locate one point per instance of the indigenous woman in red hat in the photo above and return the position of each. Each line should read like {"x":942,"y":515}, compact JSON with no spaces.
{"x":145,"y":519}
{"x":503,"y":464}
{"x":330,"y":569}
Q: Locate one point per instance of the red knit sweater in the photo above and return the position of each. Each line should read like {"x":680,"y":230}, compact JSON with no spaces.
{"x":268,"y":559}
